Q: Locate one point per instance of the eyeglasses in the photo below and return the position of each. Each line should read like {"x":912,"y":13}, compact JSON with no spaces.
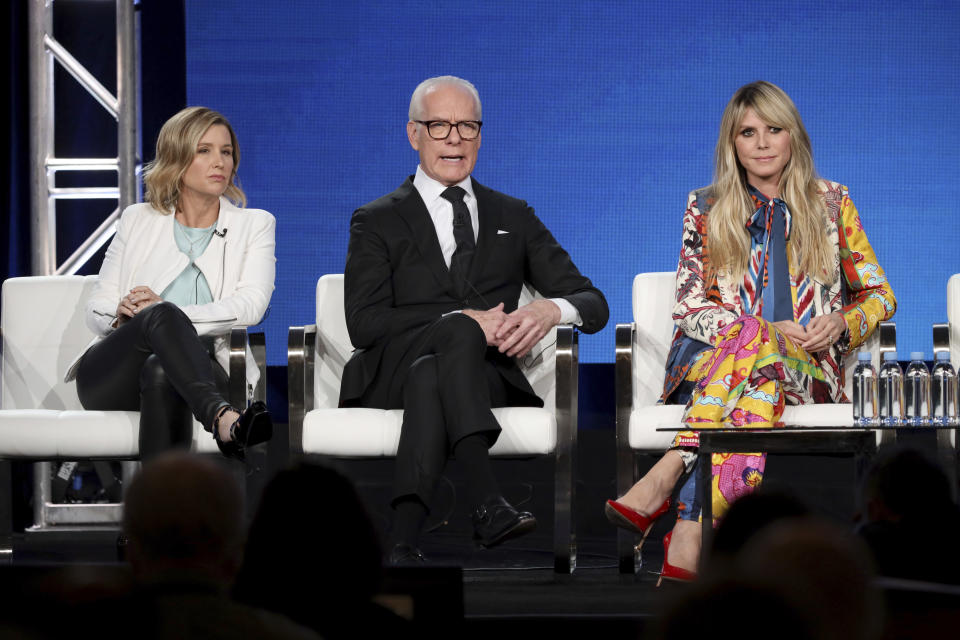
{"x":440,"y":129}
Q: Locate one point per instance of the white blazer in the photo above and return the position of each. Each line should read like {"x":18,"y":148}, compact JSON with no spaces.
{"x":238,"y":263}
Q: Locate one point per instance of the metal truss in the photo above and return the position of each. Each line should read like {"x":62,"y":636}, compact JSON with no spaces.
{"x":44,"y":50}
{"x":124,"y":107}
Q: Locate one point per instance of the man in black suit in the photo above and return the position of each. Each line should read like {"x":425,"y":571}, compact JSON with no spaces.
{"x":432,"y":281}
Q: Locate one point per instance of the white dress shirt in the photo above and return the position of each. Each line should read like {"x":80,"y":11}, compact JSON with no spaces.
{"x":441,"y":212}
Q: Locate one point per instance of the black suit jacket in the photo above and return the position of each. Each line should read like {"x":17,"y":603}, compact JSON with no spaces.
{"x":396,"y":282}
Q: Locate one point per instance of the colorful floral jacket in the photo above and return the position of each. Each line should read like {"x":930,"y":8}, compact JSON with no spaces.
{"x":860,"y":289}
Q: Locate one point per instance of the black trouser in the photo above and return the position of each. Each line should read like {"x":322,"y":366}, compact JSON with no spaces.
{"x":155,"y":364}
{"x":446,"y":395}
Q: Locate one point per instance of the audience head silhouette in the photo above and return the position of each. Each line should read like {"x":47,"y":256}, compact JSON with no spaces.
{"x":311,"y":528}
{"x":751,"y":514}
{"x":184,"y":513}
{"x":905,"y":483}
{"x":904,"y":493}
{"x":823,"y":570}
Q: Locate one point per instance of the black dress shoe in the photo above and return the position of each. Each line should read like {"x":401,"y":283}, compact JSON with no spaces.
{"x":495,"y":521}
{"x":405,"y":555}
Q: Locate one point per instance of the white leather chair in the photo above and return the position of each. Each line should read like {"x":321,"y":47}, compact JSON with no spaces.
{"x":641,"y":357}
{"x":316,"y":357}
{"x":946,"y":337}
{"x":42,"y":320}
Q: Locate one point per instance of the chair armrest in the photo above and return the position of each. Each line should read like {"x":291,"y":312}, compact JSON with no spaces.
{"x":623,"y":376}
{"x":883,"y":340}
{"x":258,"y":347}
{"x":888,"y":337}
{"x":565,"y":400}
{"x":568,"y":361}
{"x":941,"y":338}
{"x":301,"y":348}
{"x":626,"y":468}
{"x":238,"y":386}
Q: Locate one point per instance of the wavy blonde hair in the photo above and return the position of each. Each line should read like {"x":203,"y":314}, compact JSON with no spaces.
{"x":176,"y":148}
{"x":726,"y":227}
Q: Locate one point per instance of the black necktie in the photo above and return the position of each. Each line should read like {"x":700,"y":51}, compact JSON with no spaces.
{"x":463,"y":234}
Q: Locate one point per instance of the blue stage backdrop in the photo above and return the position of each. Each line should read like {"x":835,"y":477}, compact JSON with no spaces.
{"x":602,"y":115}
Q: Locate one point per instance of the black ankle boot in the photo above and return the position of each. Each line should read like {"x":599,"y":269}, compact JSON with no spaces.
{"x":252,"y":427}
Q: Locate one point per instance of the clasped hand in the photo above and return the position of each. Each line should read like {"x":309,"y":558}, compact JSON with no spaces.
{"x":517,"y":332}
{"x":819,"y":334}
{"x":134,"y":302}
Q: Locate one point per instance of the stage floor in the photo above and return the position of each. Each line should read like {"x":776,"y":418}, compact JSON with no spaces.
{"x":505,"y":590}
{"x":516,"y":582}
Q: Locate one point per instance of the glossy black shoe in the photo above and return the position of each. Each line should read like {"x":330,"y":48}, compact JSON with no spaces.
{"x":252,"y":427}
{"x":405,"y":555}
{"x":496,"y":521}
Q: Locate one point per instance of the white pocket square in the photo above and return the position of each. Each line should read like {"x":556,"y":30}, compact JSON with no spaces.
{"x":501,"y":232}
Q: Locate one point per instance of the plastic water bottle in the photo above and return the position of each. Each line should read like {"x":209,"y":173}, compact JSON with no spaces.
{"x":916,"y":391}
{"x":865,"y":403}
{"x":890,"y":385}
{"x":943,"y":392}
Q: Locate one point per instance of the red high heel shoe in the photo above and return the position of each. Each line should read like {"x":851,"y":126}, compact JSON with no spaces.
{"x":670,"y":572}
{"x":623,"y":516}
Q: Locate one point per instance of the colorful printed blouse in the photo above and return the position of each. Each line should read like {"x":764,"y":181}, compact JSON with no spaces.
{"x":860,"y":290}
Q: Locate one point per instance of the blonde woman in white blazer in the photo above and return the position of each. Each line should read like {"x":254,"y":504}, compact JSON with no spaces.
{"x":187,"y":262}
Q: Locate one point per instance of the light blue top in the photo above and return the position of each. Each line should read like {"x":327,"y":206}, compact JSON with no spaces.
{"x":190,"y":287}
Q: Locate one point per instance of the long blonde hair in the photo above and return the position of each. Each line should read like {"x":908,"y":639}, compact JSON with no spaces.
{"x":729,"y":239}
{"x":176,"y":148}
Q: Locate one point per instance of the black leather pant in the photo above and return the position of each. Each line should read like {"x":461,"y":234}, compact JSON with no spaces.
{"x":155,"y":364}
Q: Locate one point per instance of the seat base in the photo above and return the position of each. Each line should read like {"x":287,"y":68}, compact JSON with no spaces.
{"x":374,"y":433}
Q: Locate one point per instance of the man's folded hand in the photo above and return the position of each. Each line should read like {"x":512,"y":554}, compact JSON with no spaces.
{"x":490,"y":321}
{"x":523,"y":328}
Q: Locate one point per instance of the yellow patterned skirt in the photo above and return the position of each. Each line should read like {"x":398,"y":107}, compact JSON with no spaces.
{"x":746,"y":380}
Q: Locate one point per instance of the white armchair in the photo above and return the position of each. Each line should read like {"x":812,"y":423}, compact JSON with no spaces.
{"x":40,"y":415}
{"x":641,"y":357}
{"x":946,"y":337}
{"x":316,"y":357}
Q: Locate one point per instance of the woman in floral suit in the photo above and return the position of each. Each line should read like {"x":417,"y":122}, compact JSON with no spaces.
{"x":776,"y":282}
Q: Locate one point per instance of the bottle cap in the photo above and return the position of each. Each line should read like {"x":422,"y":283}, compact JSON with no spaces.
{"x":889,"y":355}
{"x":864,"y":356}
{"x":916,"y":355}
{"x":942,"y":355}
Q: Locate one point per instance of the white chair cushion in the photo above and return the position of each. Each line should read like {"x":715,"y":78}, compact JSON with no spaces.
{"x":47,"y":433}
{"x":645,"y":421}
{"x":654,"y":295}
{"x":953,"y":317}
{"x":43,"y":331}
{"x":203,"y":441}
{"x":41,"y":433}
{"x":376,"y":432}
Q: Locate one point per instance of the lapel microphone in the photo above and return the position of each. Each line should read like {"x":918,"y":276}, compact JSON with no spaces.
{"x":222,"y":235}
{"x":459,"y":220}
